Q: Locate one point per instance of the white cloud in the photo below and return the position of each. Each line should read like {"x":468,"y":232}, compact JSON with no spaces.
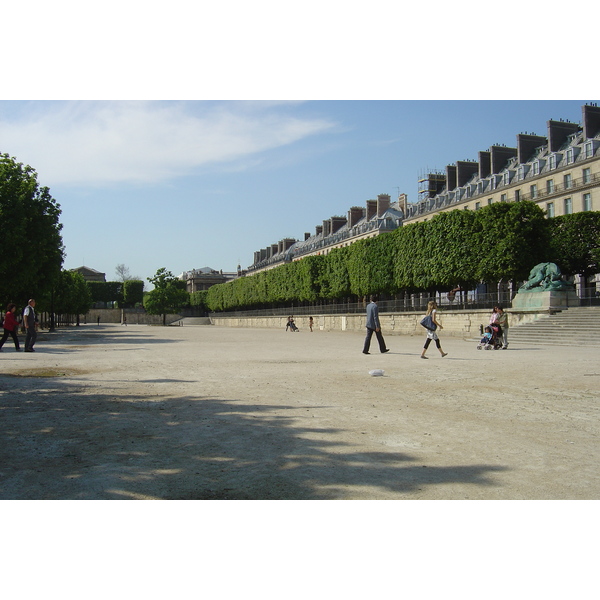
{"x":99,"y":143}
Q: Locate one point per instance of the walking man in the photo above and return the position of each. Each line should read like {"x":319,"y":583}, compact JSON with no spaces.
{"x":373,"y":326}
{"x":30,"y":323}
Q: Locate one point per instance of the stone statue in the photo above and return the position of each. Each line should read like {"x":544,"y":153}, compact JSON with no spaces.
{"x":545,"y":277}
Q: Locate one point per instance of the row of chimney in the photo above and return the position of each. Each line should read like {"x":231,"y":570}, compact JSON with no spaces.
{"x":494,"y":159}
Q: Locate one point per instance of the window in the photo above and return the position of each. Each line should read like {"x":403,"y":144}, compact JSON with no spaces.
{"x":587,"y":202}
{"x":587,"y":176}
{"x":502,"y":197}
{"x":589,"y":150}
{"x":550,"y":209}
{"x":490,"y":200}
{"x":552,"y":162}
{"x":550,"y":186}
{"x":506,"y":178}
{"x":478,"y":205}
{"x":568,"y":206}
{"x":536,"y":167}
{"x":521,"y":172}
{"x":570,"y":156}
{"x":533,"y":191}
{"x":517,"y":195}
{"x":568,"y":181}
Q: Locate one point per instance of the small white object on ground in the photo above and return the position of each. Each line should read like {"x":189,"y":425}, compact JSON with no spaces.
{"x":376,"y":372}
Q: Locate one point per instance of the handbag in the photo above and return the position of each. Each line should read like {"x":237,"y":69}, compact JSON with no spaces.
{"x":428,"y":323}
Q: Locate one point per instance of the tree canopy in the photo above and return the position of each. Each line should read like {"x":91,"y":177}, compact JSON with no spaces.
{"x":167,"y":294}
{"x":31,"y":245}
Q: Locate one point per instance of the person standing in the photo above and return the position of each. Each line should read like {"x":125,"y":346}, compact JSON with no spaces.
{"x":310,"y":323}
{"x":11,"y":326}
{"x":30,"y":323}
{"x":373,"y":326}
{"x":500,"y":318}
{"x":431,"y":334}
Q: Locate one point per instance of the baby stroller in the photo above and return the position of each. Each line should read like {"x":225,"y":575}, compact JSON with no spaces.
{"x":491,"y":340}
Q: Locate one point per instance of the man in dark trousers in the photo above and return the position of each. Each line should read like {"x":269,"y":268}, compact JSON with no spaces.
{"x":30,"y":323}
{"x":373,"y":325}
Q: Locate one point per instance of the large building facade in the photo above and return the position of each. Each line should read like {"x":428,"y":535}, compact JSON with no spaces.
{"x":560,"y":172}
{"x":377,"y":217}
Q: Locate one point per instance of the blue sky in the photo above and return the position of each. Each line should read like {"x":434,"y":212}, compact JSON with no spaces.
{"x":189,"y":184}
{"x":194,"y":137}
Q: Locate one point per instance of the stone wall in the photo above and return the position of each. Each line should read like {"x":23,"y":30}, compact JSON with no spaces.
{"x":465,"y":324}
{"x":134,"y":316}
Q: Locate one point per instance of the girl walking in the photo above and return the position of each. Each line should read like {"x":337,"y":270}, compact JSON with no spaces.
{"x":432,"y":335}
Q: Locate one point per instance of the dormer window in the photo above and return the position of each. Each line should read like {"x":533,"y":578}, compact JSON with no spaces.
{"x":552,"y":162}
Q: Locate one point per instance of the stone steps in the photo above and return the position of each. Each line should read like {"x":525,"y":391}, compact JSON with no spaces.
{"x":571,"y":327}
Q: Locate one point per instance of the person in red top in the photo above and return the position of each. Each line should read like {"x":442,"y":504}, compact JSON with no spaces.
{"x":11,"y":326}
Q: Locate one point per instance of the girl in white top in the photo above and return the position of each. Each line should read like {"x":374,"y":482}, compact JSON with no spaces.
{"x":432,"y":335}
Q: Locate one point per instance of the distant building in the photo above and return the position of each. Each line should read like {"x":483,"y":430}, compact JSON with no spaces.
{"x":560,"y":172}
{"x":90,"y":274}
{"x":377,"y":217}
{"x":201,"y":279}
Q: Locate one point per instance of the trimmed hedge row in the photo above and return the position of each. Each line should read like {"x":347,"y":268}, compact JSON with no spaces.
{"x":502,"y":241}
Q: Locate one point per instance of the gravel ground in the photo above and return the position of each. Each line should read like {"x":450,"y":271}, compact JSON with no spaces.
{"x":144,"y":412}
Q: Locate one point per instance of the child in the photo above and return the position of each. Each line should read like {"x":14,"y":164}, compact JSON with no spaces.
{"x":487,"y":336}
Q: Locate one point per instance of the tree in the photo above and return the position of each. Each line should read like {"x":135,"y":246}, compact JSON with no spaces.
{"x":575,"y":242}
{"x":70,"y":295}
{"x":133,"y":292}
{"x":167,"y":294}
{"x":123,"y":274}
{"x":31,"y":245}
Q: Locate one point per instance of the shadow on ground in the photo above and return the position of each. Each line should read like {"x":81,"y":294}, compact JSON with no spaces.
{"x":103,"y":447}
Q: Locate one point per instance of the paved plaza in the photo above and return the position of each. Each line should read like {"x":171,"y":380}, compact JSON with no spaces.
{"x":146,"y":412}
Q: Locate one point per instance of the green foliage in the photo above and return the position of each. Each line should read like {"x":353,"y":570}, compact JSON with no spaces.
{"x":512,"y":238}
{"x":106,"y":291}
{"x":575,"y":243}
{"x":198,"y":299}
{"x":31,"y":246}
{"x":70,"y":296}
{"x":167,"y":295}
{"x":459,"y":247}
{"x":133,"y":292}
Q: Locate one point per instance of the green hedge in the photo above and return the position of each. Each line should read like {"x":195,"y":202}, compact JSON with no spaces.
{"x":502,"y":241}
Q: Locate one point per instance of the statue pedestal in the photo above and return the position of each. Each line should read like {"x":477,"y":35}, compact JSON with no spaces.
{"x":545,"y":300}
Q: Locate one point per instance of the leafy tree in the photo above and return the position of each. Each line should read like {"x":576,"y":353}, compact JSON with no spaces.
{"x":510,"y":239}
{"x":575,"y":243}
{"x":70,"y":296}
{"x":133,"y":292}
{"x":31,"y":246}
{"x":167,"y":294}
{"x":106,"y":291}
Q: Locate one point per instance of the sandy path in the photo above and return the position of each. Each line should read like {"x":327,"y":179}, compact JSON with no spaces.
{"x":217,"y":413}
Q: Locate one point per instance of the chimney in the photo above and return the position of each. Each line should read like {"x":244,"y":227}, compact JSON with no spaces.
{"x":558,"y":132}
{"x":591,"y":120}
{"x":280,"y":247}
{"x":484,"y":165}
{"x":318,"y":229}
{"x":383,"y":203}
{"x":500,"y":155}
{"x":355,"y":214}
{"x":526,"y":145}
{"x":256,"y":257}
{"x":464,"y":171}
{"x":326,"y":228}
{"x":306,"y":235}
{"x":274,"y":249}
{"x":337,"y":223}
{"x":288,"y":243}
{"x":371,"y":209}
{"x":450,"y":177}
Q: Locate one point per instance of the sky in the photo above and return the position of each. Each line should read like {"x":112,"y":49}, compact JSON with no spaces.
{"x":194,"y":137}
{"x":190,"y":184}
